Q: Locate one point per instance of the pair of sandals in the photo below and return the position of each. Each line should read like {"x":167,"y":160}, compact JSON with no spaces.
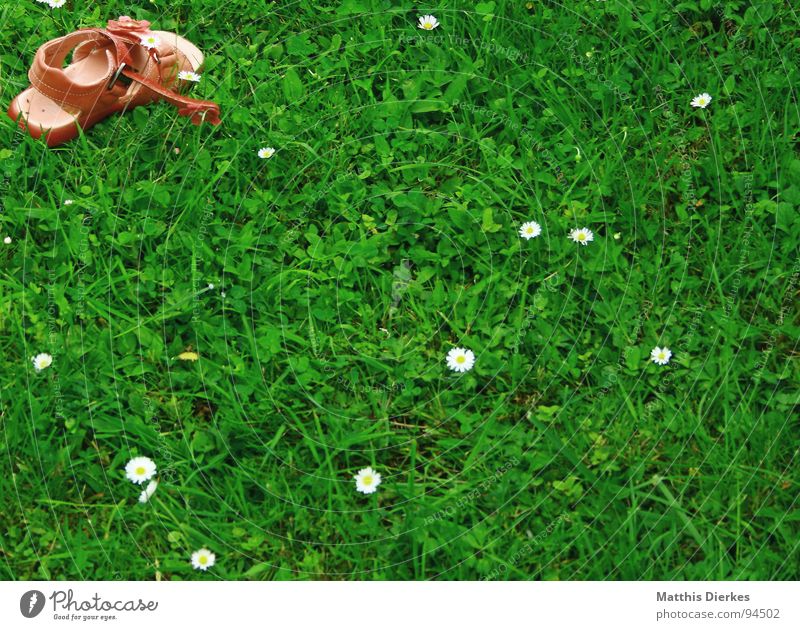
{"x":114,"y":69}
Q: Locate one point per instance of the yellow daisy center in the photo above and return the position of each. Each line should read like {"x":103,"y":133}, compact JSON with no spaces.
{"x":203,"y":559}
{"x":581,"y":236}
{"x":140,"y":470}
{"x":461,"y":359}
{"x":427,"y":26}
{"x":367,"y":480}
{"x":662,"y":356}
{"x":529,"y":230}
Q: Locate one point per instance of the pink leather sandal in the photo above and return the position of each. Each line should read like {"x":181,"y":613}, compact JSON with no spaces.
{"x":113,"y":69}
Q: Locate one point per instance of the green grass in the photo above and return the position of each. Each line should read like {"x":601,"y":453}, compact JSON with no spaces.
{"x":381,"y":234}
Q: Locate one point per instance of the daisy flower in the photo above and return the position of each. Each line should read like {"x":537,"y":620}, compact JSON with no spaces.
{"x":701,"y":100}
{"x":203,"y":559}
{"x":367,"y":480}
{"x":185,"y":75}
{"x":68,"y":202}
{"x":660,"y":355}
{"x":266,"y":152}
{"x":7,"y":240}
{"x":583,"y":236}
{"x":150,"y":40}
{"x":148,"y":492}
{"x":460,"y":360}
{"x":530,"y":230}
{"x":140,"y":469}
{"x":428,"y":23}
{"x":41,"y":360}
{"x":56,"y":4}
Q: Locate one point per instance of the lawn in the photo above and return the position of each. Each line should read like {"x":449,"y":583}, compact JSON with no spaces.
{"x":263,"y":329}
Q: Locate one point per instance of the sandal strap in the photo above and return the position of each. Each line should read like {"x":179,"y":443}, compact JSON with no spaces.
{"x":198,"y":110}
{"x":48,"y":78}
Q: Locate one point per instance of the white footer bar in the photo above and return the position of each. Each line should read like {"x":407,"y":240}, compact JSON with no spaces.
{"x":399,"y":605}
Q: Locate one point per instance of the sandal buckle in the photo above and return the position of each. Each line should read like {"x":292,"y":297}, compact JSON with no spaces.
{"x":118,"y":76}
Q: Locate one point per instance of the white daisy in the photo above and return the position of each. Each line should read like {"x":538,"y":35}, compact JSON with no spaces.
{"x":701,"y":100}
{"x":203,"y":559}
{"x":148,"y":492}
{"x":149,"y":40}
{"x":140,"y":469}
{"x":530,"y":230}
{"x":7,"y":240}
{"x":210,"y":286}
{"x":56,"y":4}
{"x":266,"y":152}
{"x":367,"y":480}
{"x":460,"y":360}
{"x":185,"y":75}
{"x":68,"y":202}
{"x":428,"y":22}
{"x":660,"y":355}
{"x":583,"y":236}
{"x":42,"y":361}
